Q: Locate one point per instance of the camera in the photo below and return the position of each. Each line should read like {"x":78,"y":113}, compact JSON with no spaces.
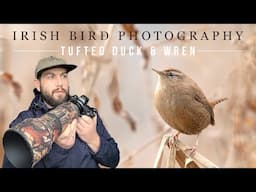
{"x":81,"y":103}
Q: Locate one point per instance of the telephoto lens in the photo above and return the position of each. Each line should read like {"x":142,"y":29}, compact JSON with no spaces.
{"x":29,"y":141}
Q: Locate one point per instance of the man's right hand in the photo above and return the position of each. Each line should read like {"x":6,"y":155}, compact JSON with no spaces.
{"x":67,"y":138}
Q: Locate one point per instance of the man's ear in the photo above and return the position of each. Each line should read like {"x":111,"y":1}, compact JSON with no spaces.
{"x":37,"y":84}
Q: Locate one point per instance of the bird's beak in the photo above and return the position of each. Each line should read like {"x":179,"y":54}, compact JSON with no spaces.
{"x":158,"y":72}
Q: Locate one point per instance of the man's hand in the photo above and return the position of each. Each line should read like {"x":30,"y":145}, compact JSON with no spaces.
{"x":67,"y":138}
{"x":86,"y":129}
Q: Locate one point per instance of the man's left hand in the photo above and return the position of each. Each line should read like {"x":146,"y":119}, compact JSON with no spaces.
{"x":86,"y":130}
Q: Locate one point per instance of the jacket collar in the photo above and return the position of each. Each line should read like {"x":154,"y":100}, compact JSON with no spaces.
{"x":38,"y":103}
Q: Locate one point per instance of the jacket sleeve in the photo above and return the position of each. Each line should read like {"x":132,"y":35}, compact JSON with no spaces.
{"x":108,"y":153}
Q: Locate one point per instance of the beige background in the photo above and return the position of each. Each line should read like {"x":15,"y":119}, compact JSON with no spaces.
{"x":218,"y":73}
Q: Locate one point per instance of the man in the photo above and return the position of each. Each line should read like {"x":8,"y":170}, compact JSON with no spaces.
{"x":85,"y":143}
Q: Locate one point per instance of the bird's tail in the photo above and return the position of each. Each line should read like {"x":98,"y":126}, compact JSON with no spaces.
{"x":215,"y":102}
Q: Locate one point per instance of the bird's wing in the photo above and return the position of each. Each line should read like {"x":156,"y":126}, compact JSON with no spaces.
{"x":199,"y":97}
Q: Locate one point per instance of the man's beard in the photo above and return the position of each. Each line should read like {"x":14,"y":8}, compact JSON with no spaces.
{"x":54,"y":102}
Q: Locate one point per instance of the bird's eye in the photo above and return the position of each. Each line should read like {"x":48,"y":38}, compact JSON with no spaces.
{"x":170,"y":74}
{"x":173,"y":75}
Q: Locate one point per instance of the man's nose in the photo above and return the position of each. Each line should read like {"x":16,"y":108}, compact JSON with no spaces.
{"x":59,"y":81}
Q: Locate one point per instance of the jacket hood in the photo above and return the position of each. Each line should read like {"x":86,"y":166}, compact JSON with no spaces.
{"x":37,"y":102}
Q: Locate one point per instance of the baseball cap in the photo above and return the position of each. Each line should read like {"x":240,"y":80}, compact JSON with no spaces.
{"x":52,"y":62}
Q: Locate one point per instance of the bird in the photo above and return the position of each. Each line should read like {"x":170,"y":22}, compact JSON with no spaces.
{"x":182,"y":104}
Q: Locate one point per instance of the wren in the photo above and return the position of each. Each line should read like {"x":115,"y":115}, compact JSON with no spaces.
{"x":181,"y":103}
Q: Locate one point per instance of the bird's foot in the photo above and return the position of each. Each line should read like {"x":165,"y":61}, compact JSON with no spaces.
{"x":173,"y":139}
{"x":191,"y":150}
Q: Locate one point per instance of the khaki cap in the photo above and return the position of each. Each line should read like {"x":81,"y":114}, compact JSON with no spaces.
{"x":52,"y":62}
